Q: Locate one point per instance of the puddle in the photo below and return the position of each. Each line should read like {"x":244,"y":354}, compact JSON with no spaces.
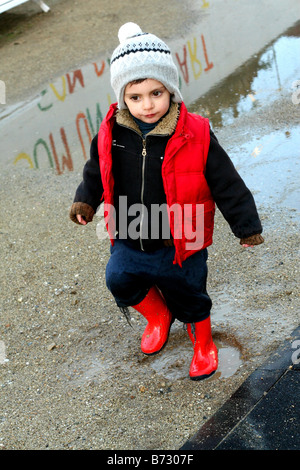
{"x":270,"y":166}
{"x":229,"y":361}
{"x":173,"y":363}
{"x":261,"y":80}
{"x":87,"y":370}
{"x":267,"y":161}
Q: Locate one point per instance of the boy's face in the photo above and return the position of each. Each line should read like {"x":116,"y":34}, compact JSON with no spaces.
{"x":148,"y":100}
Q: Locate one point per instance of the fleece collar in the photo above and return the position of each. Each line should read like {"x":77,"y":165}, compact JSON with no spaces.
{"x":166,"y":125}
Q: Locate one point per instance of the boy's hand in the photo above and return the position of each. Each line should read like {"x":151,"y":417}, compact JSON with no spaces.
{"x":81,"y":219}
{"x":81,"y":213}
{"x":251,"y":241}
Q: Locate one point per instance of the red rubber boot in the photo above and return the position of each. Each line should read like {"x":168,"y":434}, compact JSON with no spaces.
{"x":205,"y":359}
{"x":159,"y":318}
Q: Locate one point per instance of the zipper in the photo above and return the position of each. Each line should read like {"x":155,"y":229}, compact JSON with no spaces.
{"x":144,"y":153}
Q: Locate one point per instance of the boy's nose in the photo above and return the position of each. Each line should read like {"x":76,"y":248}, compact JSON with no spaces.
{"x":147,"y":103}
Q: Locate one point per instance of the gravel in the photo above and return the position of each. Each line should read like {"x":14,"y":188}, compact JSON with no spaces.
{"x":74,"y":376}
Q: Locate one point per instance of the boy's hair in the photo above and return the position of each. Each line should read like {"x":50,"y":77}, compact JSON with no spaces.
{"x":137,"y":81}
{"x":142,"y":55}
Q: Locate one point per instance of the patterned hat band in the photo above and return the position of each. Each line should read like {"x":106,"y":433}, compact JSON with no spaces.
{"x":142,"y":55}
{"x":141,"y":48}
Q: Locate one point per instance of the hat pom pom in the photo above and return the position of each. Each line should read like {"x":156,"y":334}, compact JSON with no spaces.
{"x":128,"y":30}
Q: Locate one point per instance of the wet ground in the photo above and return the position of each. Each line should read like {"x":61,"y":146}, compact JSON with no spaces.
{"x":71,"y":372}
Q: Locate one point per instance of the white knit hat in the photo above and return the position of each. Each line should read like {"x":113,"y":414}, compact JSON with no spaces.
{"x":142,"y":55}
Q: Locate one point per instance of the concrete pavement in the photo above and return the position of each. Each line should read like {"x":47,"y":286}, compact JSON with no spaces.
{"x":263,"y":414}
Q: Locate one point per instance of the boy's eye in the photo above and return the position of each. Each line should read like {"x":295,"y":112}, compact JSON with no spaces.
{"x":134,"y":98}
{"x":157,"y":93}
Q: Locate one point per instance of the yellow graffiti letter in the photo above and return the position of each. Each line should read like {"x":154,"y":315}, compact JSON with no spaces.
{"x":58,"y":96}
{"x":194,"y":59}
{"x":24,"y":156}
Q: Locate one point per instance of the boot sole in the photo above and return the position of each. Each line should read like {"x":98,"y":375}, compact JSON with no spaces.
{"x":202,"y":377}
{"x":155,"y":352}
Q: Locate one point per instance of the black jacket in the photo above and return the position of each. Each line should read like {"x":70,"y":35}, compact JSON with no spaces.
{"x":229,"y":191}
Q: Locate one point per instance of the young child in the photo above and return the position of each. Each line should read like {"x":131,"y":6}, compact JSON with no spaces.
{"x":152,"y":153}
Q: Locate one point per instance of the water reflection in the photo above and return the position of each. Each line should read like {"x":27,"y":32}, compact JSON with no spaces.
{"x":174,"y":363}
{"x":270,"y":166}
{"x":259,"y":81}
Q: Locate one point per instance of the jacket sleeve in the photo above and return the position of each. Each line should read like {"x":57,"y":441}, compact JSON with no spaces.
{"x":232,"y":197}
{"x":89,"y":192}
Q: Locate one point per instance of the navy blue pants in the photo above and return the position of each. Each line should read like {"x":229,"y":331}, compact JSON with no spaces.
{"x":130,"y":273}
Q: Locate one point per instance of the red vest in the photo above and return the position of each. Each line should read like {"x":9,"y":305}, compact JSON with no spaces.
{"x":189,"y":200}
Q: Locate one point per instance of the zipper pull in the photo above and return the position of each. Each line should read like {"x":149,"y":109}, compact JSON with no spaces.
{"x":144,"y":151}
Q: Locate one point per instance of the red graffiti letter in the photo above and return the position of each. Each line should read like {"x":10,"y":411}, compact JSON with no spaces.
{"x":77,"y":75}
{"x":99,"y":72}
{"x":209,"y":64}
{"x":183,"y":65}
{"x":66,"y":160}
{"x":82,"y":116}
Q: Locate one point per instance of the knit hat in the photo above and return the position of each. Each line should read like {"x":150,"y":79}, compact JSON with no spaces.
{"x":142,"y":55}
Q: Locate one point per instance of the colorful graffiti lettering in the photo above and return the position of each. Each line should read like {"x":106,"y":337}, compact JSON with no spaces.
{"x":48,"y":147}
{"x":70,"y":79}
{"x":192,"y":59}
{"x":195,"y":61}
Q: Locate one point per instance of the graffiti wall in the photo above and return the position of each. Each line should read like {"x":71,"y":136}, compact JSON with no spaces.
{"x":54,"y":130}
